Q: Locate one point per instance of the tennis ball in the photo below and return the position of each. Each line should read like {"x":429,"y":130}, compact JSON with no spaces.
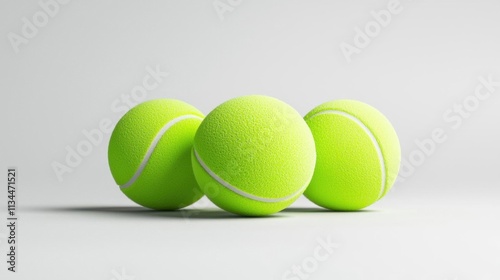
{"x":253,"y":155}
{"x":358,"y":155}
{"x":149,"y":154}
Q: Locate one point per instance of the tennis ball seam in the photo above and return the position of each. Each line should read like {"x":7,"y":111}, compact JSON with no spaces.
{"x":370,"y":135}
{"x":153,"y":145}
{"x":241,"y":192}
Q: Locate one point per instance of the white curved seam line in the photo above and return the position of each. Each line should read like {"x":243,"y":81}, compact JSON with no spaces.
{"x":153,"y":145}
{"x":372,"y":138}
{"x":241,"y":192}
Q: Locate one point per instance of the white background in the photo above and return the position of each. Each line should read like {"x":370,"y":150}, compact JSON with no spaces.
{"x":440,"y":223}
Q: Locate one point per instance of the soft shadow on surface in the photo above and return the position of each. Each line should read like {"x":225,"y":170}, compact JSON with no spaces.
{"x":187,"y":214}
{"x":143,"y":212}
{"x":323,"y":210}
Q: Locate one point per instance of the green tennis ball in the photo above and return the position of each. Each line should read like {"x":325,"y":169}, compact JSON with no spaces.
{"x":253,"y":155}
{"x":150,"y":154}
{"x":358,"y":155}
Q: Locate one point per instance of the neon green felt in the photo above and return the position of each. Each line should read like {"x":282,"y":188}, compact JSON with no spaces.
{"x":348,"y":172}
{"x":233,"y":202}
{"x":167,"y":181}
{"x":257,"y":144}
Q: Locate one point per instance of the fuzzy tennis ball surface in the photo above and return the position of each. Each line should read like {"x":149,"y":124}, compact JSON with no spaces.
{"x":358,"y":155}
{"x":149,"y":154}
{"x":253,"y":155}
